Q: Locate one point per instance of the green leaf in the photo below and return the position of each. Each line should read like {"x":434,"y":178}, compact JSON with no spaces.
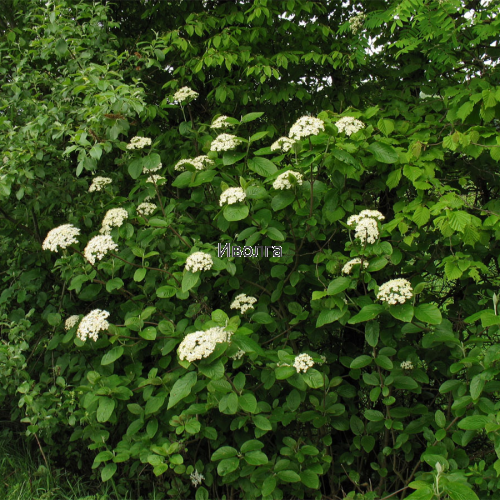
{"x":282,"y":199}
{"x":151,"y":161}
{"x":227,"y":466}
{"x":327,"y":316}
{"x":156,"y":222}
{"x":465,"y":110}
{"x":224,"y":452}
{"x":288,"y":476}
{"x":269,"y":485}
{"x":190,"y":280}
{"x":374,"y":415}
{"x":368,"y":312}
{"x":235,"y":212}
{"x":262,"y":423}
{"x":310,"y":479}
{"x":385,"y":126}
{"x":460,"y":491}
{"x":154,"y":404}
{"x":368,"y":443}
{"x":114,"y":284}
{"x":248,"y":403}
{"x":256,"y":458}
{"x":421,"y":216}
{"x":440,"y":419}
{"x":135,"y":168}
{"x":112,"y":355}
{"x":404,"y":382}
{"x":262,"y":318}
{"x":313,"y":378}
{"x":372,"y":330}
{"x":53,"y":319}
{"x":474,"y":422}
{"x":383,"y":152}
{"x":403,"y":312}
{"x":181,"y":389}
{"x":428,"y":313}
{"x":247,"y":344}
{"x":274,"y":234}
{"x":61,"y":47}
{"x":361,"y":362}
{"x":338,"y":285}
{"x":262,"y":166}
{"x":105,"y":409}
{"x":149,"y":333}
{"x":183,"y":180}
{"x":165,"y":292}
{"x":140,"y":274}
{"x":476,"y":386}
{"x":251,"y":116}
{"x":384,"y":362}
{"x":108,"y":472}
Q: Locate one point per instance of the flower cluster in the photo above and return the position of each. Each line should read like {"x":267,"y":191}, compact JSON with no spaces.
{"x":225,"y":142}
{"x":71,"y":322}
{"x":395,"y":291}
{"x":154,"y":178}
{"x":349,"y":125}
{"x":356,"y":22}
{"x":221,"y":122}
{"x":92,"y":324}
{"x":283,"y":143}
{"x":366,"y":225}
{"x":303,"y":362}
{"x":283,"y":180}
{"x":113,"y":218}
{"x":231,"y":196}
{"x":199,"y":261}
{"x":146,"y":208}
{"x":139,"y":142}
{"x":239,"y":354}
{"x":243,"y":302}
{"x":200,"y":162}
{"x":196,"y":478}
{"x":306,"y":126}
{"x":147,"y":170}
{"x":184,"y":94}
{"x":349,"y":265}
{"x":98,"y":183}
{"x":199,"y":345}
{"x":370,"y":214}
{"x":62,"y":236}
{"x":407,"y":365}
{"x":98,"y":247}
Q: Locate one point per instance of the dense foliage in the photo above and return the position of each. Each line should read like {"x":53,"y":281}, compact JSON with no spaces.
{"x":327,"y":385}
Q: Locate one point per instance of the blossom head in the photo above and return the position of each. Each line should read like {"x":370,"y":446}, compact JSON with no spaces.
{"x":367,"y":231}
{"x":71,"y":322}
{"x":243,"y":302}
{"x":92,"y":324}
{"x":199,"y":345}
{"x":196,"y":478}
{"x":146,"y":170}
{"x":225,"y":142}
{"x":407,"y":365}
{"x":349,"y":125}
{"x":356,"y":22}
{"x":98,"y":247}
{"x":283,"y":180}
{"x":396,"y":291}
{"x":61,"y":237}
{"x":232,"y":195}
{"x":303,"y":362}
{"x":154,"y":178}
{"x":349,"y":265}
{"x":306,"y":126}
{"x":184,"y":94}
{"x":146,"y":208}
{"x":113,"y":218}
{"x":199,"y":261}
{"x":139,"y":142}
{"x":221,"y":122}
{"x":283,"y":143}
{"x":200,"y":163}
{"x":98,"y":183}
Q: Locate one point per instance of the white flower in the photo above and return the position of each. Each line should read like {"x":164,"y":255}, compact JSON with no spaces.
{"x":146,"y":208}
{"x":367,"y":231}
{"x":146,"y":170}
{"x":239,"y":354}
{"x":303,"y":362}
{"x":148,"y":198}
{"x":283,"y":143}
{"x":92,"y":324}
{"x":199,"y":345}
{"x":281,"y":364}
{"x":221,"y":122}
{"x":348,"y":266}
{"x":357,"y":22}
{"x":185,"y":93}
{"x":283,"y":180}
{"x":225,"y":142}
{"x":306,"y":126}
{"x":200,"y":162}
{"x":243,"y":302}
{"x":199,"y":261}
{"x":113,"y":218}
{"x":370,"y":214}
{"x":98,"y":247}
{"x":231,"y":196}
{"x":98,"y":183}
{"x":196,"y":478}
{"x":395,"y":291}
{"x":139,"y":142}
{"x":71,"y":322}
{"x":349,"y":125}
{"x":62,"y":236}
{"x":407,"y":365}
{"x":154,"y":178}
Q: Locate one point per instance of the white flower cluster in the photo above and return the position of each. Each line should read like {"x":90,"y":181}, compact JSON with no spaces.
{"x":243,"y":302}
{"x":199,"y":261}
{"x":139,"y":142}
{"x":185,"y":93}
{"x":92,"y":324}
{"x":303,"y":362}
{"x":224,"y":142}
{"x":62,"y":236}
{"x":113,"y":218}
{"x":98,"y":247}
{"x":370,"y":214}
{"x":357,"y":22}
{"x":196,"y":478}
{"x":348,"y":266}
{"x":239,"y":354}
{"x":366,"y":225}
{"x":98,"y":183}
{"x":407,"y":365}
{"x":349,"y":125}
{"x":231,"y":196}
{"x":154,"y":178}
{"x":306,"y":126}
{"x":148,"y":198}
{"x":146,"y":208}
{"x":283,"y":143}
{"x":146,"y":170}
{"x":200,"y":162}
{"x":199,"y":345}
{"x":221,"y":122}
{"x":395,"y":291}
{"x":71,"y":322}
{"x":283,"y":180}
